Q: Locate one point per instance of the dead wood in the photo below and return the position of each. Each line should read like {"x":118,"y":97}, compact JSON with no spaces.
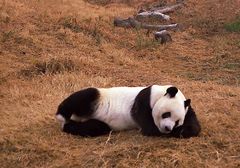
{"x":167,"y":9}
{"x":152,"y":14}
{"x":132,"y":23}
{"x":163,"y":36}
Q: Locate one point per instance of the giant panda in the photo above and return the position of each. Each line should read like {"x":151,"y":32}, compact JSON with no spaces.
{"x":156,"y":110}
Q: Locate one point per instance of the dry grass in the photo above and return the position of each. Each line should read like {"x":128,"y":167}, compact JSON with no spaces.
{"x":49,"y":49}
{"x":50,"y":67}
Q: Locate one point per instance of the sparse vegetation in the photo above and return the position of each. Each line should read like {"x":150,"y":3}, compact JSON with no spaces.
{"x":50,"y":67}
{"x":143,"y":42}
{"x":106,"y":2}
{"x":87,"y":27}
{"x":71,"y":23}
{"x":49,"y":49}
{"x":5,"y":36}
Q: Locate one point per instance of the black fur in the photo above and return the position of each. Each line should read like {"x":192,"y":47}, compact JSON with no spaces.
{"x":187,"y":103}
{"x":142,"y":113}
{"x":89,"y":128}
{"x":172,"y":91}
{"x":80,"y":103}
{"x":190,"y":127}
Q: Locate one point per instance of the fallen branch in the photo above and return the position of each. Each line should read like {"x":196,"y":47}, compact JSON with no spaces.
{"x":167,"y":9}
{"x":156,"y":13}
{"x":132,"y":23}
{"x":152,"y":14}
{"x":163,"y":36}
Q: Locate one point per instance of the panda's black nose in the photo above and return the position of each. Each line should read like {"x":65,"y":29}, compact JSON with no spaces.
{"x":168,"y":129}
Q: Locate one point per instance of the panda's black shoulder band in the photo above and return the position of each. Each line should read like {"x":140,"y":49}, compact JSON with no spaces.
{"x":142,"y":113}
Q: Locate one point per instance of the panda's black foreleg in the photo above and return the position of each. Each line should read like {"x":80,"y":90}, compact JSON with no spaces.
{"x":190,"y":128}
{"x":89,"y":128}
{"x":142,"y":113}
{"x":150,"y":131}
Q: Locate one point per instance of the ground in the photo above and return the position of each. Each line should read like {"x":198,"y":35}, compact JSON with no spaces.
{"x":51,"y":48}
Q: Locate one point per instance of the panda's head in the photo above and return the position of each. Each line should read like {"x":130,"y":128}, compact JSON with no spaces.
{"x":170,"y":109}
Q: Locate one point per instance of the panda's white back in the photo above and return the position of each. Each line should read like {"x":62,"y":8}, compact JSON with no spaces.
{"x":114,"y":106}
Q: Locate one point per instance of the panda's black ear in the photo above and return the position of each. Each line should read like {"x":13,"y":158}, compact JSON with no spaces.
{"x":172,"y":91}
{"x":187,"y":103}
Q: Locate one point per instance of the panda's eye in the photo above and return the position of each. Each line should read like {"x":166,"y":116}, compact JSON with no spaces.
{"x":176,"y":123}
{"x":166,"y":115}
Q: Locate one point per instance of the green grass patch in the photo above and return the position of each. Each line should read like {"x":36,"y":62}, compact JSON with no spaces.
{"x":234,"y":26}
{"x":232,"y":66}
{"x":142,"y":42}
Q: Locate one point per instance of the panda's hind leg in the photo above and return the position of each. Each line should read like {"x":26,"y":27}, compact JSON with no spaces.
{"x":79,"y":105}
{"x":89,"y":128}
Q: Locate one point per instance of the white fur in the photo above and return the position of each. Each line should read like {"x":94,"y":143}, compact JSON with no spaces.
{"x":61,"y":119}
{"x":78,"y":119}
{"x":115,"y":105}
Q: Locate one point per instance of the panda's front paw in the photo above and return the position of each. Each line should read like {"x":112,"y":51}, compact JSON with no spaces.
{"x":72,"y":127}
{"x":186,"y":131}
{"x":151,"y":132}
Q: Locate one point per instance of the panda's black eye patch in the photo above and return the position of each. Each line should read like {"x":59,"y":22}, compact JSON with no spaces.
{"x":166,"y":115}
